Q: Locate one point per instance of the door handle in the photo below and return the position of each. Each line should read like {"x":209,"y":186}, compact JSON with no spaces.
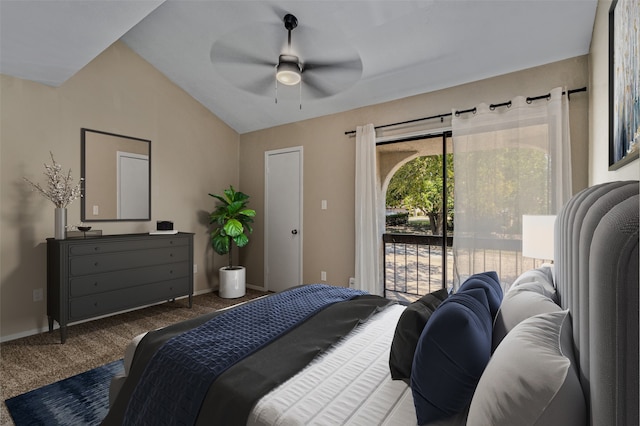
{"x":294,"y":232}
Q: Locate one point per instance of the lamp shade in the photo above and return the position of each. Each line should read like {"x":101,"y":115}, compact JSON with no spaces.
{"x":538,"y":236}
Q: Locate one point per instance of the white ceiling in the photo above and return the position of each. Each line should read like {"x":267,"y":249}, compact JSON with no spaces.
{"x":406,"y":47}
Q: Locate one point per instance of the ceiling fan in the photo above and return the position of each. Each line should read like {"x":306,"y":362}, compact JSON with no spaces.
{"x":243,"y":58}
{"x":289,"y":69}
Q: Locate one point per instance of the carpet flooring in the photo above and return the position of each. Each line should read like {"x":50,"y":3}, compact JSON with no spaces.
{"x":32,"y":362}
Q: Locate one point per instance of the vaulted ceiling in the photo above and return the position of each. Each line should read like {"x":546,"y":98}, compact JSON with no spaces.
{"x":224,"y":53}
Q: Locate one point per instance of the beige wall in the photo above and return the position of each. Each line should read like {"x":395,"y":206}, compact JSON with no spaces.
{"x":599,"y":101}
{"x":193,"y":153}
{"x":329,"y":158}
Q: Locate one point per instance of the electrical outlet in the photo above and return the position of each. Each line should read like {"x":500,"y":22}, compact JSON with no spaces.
{"x":352,"y":282}
{"x":323,"y":275}
{"x":195,"y":268}
{"x":96,"y":210}
{"x":38,"y":295}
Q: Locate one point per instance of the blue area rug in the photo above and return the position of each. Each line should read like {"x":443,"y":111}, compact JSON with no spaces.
{"x":79,"y":400}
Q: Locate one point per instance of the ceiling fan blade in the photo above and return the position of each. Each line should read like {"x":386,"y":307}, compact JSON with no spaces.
{"x":222,"y":53}
{"x":352,"y":64}
{"x":328,"y":78}
{"x":264,"y":86}
{"x":315,"y":87}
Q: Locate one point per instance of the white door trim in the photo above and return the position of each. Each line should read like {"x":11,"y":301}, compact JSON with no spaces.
{"x":300,"y":150}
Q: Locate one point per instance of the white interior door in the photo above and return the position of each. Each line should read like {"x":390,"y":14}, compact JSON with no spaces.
{"x":133,"y":186}
{"x":283,"y":218}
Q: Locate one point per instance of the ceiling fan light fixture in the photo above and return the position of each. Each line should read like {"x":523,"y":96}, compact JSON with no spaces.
{"x":288,"y":73}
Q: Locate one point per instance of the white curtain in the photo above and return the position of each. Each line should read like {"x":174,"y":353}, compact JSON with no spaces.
{"x":508,"y":162}
{"x":368,"y":234}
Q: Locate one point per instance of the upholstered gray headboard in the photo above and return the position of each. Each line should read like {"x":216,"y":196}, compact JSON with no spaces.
{"x":597,"y":263}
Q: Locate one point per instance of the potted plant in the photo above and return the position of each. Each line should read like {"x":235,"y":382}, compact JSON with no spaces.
{"x":231,"y":222}
{"x":61,"y":191}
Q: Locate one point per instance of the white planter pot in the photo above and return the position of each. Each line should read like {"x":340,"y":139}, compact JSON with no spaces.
{"x":232,"y":282}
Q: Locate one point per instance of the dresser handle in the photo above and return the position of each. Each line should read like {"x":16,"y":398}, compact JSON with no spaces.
{"x":171,"y":272}
{"x":95,"y":284}
{"x":170,"y":254}
{"x":95,"y":264}
{"x":96,"y":248}
{"x":95,"y":304}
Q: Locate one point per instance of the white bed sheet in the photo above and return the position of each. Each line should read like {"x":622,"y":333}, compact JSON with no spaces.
{"x":348,"y":385}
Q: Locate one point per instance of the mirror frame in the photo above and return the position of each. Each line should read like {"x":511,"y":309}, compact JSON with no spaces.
{"x":84,"y":217}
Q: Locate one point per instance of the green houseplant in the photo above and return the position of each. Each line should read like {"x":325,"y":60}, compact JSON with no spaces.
{"x":231,"y":222}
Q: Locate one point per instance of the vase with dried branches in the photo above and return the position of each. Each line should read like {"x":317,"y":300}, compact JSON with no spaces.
{"x":61,"y":191}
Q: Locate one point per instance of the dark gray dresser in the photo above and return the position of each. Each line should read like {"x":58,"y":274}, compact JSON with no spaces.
{"x":97,"y":276}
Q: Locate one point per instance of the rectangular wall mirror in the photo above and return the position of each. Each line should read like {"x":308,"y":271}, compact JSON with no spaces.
{"x":117,"y":177}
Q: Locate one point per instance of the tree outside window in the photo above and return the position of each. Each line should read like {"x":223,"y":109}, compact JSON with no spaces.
{"x":418,"y":187}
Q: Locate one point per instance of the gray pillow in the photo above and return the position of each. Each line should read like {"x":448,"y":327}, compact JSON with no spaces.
{"x":531,"y":378}
{"x":518,"y":305}
{"x":539,"y":280}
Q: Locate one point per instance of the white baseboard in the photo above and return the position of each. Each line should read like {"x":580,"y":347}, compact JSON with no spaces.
{"x":255,"y":287}
{"x":23,"y":334}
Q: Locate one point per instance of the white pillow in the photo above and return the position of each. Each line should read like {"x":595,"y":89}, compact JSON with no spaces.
{"x":531,"y":378}
{"x":539,"y":280}
{"x":517,"y":306}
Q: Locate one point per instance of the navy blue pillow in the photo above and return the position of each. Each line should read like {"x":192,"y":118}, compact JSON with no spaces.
{"x":451,"y":355}
{"x":490,"y":283}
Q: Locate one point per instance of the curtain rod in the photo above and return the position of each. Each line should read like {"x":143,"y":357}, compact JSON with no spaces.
{"x":491,"y":106}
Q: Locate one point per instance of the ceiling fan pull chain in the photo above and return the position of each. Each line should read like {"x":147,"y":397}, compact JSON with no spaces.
{"x":276,"y":87}
{"x":300,"y":94}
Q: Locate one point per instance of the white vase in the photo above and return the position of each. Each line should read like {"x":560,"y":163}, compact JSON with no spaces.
{"x":60,"y":224}
{"x":232,"y":282}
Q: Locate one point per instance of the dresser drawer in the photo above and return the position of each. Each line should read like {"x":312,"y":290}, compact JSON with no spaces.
{"x":104,"y":303}
{"x":100,"y":283}
{"x":99,"y":263}
{"x":126,"y":245}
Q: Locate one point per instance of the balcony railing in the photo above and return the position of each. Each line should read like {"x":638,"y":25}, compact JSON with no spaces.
{"x":414,"y":265}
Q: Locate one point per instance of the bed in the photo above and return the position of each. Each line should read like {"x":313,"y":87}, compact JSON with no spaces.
{"x":560,"y":346}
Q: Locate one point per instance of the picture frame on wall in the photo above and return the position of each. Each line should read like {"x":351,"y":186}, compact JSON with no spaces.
{"x":624,"y":83}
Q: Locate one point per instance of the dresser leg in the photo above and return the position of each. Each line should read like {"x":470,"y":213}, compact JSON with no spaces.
{"x":63,"y":333}
{"x":190,"y":301}
{"x":50,"y":324}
